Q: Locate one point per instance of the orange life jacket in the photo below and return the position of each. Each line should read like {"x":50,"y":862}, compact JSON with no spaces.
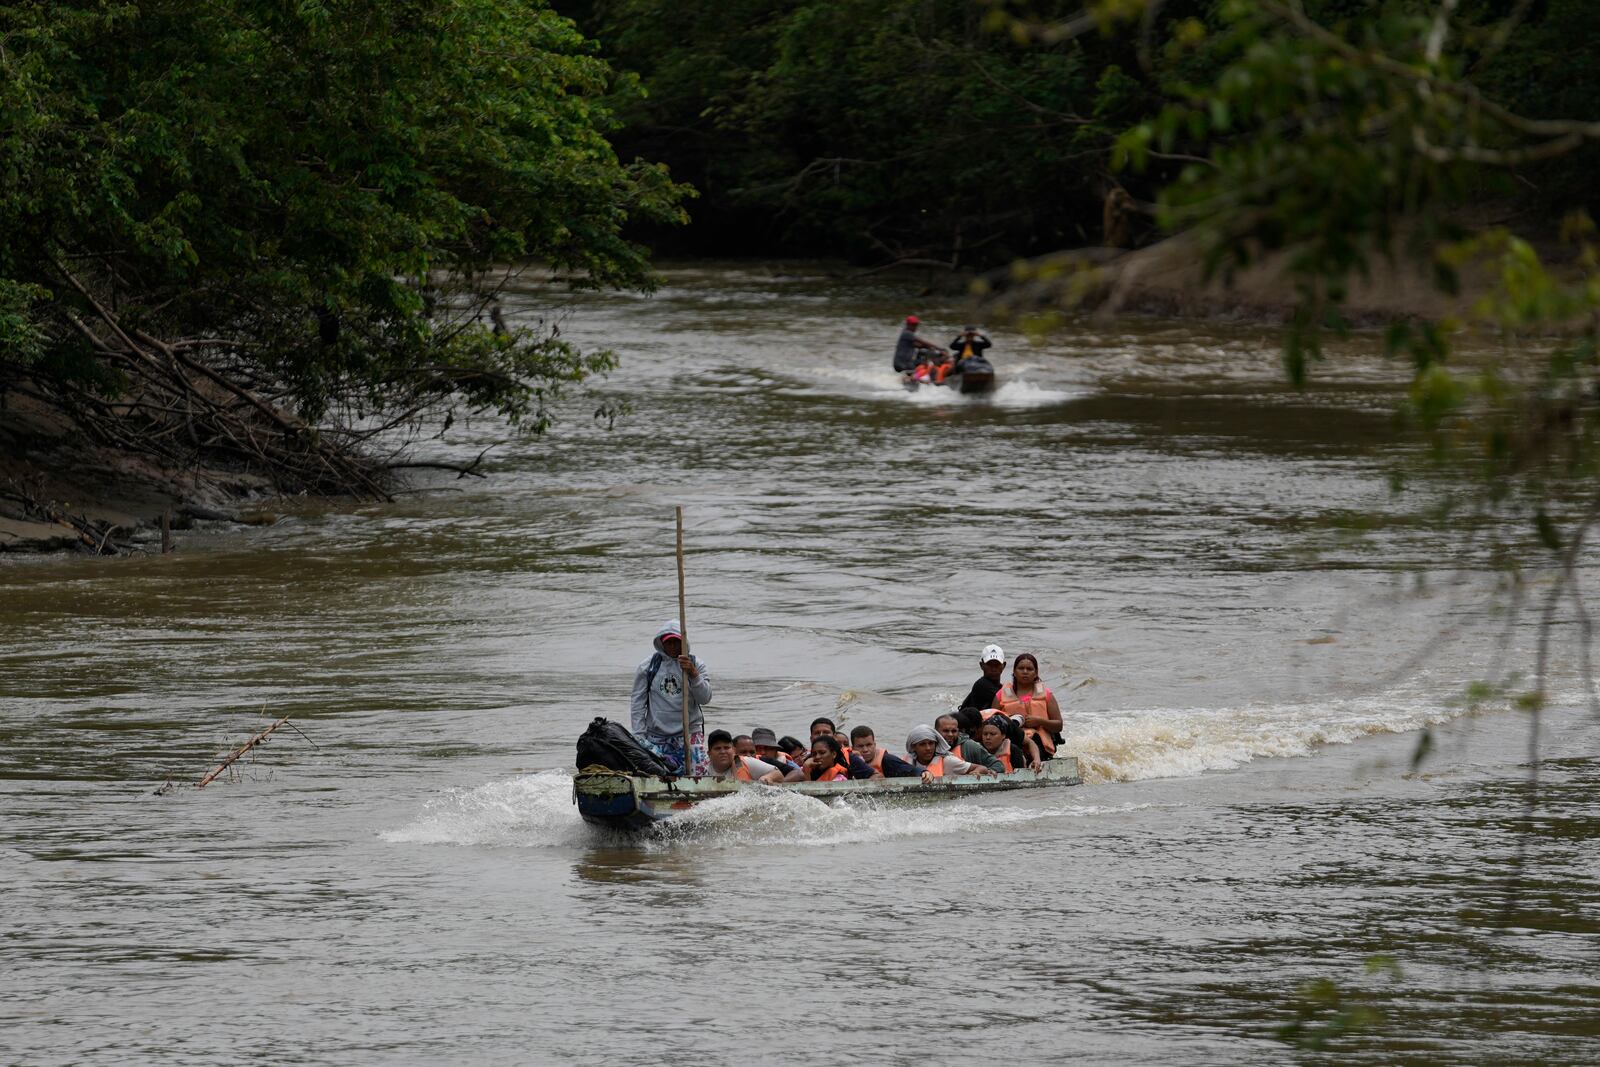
{"x":740,"y":771}
{"x":876,"y":762}
{"x":1004,"y":756}
{"x":1011,"y":704}
{"x":941,"y":372}
{"x":836,"y":773}
{"x":936,"y":768}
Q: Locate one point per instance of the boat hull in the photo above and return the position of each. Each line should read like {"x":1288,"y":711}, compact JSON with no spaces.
{"x":977,"y":381}
{"x":627,"y":802}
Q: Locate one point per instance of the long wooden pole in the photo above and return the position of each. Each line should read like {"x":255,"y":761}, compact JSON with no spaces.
{"x":683,"y":632}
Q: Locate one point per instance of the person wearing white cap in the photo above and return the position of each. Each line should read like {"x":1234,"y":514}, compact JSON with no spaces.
{"x":993,"y":661}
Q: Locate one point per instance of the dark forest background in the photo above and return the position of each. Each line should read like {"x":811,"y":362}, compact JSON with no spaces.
{"x":972,"y":133}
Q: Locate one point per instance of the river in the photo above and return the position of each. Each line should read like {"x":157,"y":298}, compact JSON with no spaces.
{"x":1246,"y":628}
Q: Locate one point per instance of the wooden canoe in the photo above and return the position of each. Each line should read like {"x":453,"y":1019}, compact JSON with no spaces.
{"x":629,"y":802}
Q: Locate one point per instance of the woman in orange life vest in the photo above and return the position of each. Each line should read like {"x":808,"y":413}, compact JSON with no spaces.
{"x":1027,"y":697}
{"x":826,"y":762}
{"x":931,"y":755}
{"x":992,"y":736}
{"x":971,"y":721}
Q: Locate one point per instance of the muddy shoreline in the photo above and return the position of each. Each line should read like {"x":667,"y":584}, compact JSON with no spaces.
{"x":60,"y":491}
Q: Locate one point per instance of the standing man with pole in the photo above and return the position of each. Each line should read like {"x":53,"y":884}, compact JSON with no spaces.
{"x":669,"y":690}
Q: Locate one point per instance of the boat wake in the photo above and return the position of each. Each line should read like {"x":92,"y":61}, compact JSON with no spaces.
{"x":532,"y":810}
{"x":1171,"y":743}
{"x":771,"y":816}
{"x":1010,"y":393}
{"x":536,"y":811}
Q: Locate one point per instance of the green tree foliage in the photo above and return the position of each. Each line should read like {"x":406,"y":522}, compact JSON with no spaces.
{"x":304,"y":196}
{"x":977,"y":130}
{"x":884,"y":129}
{"x":1352,"y":135}
{"x":1330,"y":138}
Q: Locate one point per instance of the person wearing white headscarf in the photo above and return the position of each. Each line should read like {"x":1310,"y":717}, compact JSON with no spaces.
{"x":925,"y":747}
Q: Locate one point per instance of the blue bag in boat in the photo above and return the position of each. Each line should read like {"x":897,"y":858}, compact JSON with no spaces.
{"x":613,"y":746}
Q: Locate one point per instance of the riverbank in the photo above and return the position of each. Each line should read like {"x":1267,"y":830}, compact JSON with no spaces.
{"x":61,"y":491}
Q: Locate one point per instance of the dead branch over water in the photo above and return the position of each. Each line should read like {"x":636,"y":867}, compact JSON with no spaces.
{"x":183,"y":402}
{"x":241,"y":750}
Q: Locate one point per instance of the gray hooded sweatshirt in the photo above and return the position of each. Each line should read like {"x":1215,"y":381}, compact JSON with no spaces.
{"x":658,"y":703}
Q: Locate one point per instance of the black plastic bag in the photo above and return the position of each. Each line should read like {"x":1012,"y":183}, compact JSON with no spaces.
{"x":611,"y":745}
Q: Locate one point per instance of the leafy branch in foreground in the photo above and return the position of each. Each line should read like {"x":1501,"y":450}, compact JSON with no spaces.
{"x":1329,"y":148}
{"x":1338,"y":140}
{"x":240,"y":229}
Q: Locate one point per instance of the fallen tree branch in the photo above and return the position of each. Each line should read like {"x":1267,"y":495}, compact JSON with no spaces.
{"x":241,"y":750}
{"x":462,"y":469}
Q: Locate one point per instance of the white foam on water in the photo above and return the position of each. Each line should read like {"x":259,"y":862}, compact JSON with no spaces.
{"x":1016,"y":393}
{"x":534,"y":810}
{"x":537,"y":810}
{"x":773,"y":816}
{"x":1011,"y":392}
{"x":1174,"y":743}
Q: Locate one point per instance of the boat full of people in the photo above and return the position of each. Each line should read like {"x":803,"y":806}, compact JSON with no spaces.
{"x":1004,"y":736}
{"x":962,"y":366}
{"x":624,"y":801}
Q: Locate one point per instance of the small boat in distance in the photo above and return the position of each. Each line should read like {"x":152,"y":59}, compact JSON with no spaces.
{"x":975,"y":376}
{"x":633,"y":802}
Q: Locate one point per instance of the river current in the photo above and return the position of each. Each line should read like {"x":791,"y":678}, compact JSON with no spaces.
{"x":1247,"y":631}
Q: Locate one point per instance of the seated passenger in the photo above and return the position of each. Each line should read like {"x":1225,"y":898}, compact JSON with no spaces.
{"x":744,"y":746}
{"x":726,"y":763}
{"x":972,"y":720}
{"x":992,"y":735}
{"x":931,"y":756}
{"x":970,"y":343}
{"x":962,"y":745}
{"x":826,"y":762}
{"x":992,"y":661}
{"x":768,"y":748}
{"x":1031,"y":700}
{"x":858,"y":767}
{"x":794,"y":748}
{"x":884,"y":764}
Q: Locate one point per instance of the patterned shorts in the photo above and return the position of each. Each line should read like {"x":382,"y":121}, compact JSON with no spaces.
{"x":671,"y":750}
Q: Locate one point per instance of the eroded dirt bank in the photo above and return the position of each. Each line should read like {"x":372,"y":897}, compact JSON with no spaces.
{"x":60,"y":490}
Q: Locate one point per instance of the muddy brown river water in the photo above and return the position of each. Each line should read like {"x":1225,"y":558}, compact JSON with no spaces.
{"x":1247,"y":632}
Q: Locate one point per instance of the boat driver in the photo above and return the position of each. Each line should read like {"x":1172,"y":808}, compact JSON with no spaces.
{"x":909,"y":349}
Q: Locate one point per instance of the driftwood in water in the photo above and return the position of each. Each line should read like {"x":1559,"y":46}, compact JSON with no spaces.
{"x":241,"y":750}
